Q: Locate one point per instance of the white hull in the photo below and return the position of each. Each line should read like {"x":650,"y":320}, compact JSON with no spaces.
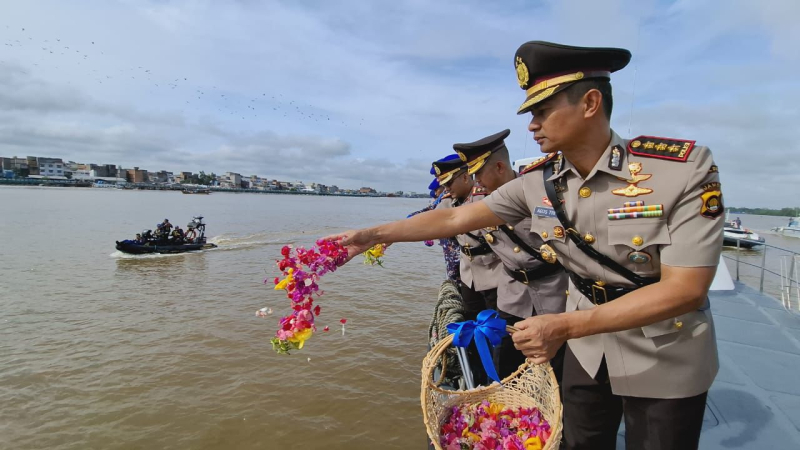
{"x":788,"y":231}
{"x":744,"y":237}
{"x":791,"y":230}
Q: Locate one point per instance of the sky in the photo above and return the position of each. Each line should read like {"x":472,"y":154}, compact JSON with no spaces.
{"x":368,"y":93}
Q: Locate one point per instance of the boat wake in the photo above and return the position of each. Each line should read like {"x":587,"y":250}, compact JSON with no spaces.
{"x":121,"y":255}
{"x":228,"y":242}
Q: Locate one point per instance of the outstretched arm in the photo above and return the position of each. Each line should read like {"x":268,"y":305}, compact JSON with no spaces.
{"x":437,"y":224}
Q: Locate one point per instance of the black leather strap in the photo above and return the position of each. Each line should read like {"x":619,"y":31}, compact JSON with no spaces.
{"x":483,"y":249}
{"x":575,"y":236}
{"x":522,"y":244}
{"x":596,"y":292}
{"x":478,"y":238}
{"x":525,"y":276}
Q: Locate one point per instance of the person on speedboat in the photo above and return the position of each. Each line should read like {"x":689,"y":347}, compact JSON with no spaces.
{"x":177,"y":235}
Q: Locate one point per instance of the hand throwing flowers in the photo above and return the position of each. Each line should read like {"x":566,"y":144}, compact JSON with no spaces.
{"x":302,"y":272}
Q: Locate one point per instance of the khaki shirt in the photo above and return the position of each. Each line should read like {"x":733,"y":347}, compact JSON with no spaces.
{"x":481,"y":272}
{"x":545,"y":295}
{"x":674,"y":358}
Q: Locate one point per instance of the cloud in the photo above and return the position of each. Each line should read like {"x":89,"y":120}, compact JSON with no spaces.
{"x":370,"y":92}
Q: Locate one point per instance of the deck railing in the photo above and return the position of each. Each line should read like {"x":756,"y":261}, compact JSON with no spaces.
{"x":788,"y":275}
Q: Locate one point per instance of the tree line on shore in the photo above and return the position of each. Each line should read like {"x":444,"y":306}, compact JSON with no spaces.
{"x":783,"y":212}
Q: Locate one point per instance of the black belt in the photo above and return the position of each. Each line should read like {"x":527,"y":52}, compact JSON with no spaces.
{"x":526,"y":276}
{"x":482,"y":249}
{"x":599,"y":292}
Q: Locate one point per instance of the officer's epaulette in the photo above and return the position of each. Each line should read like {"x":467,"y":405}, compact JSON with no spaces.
{"x":661,"y":148}
{"x":537,"y":163}
{"x":479,"y":190}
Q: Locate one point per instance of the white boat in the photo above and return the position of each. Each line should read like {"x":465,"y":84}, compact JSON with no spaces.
{"x":521,"y":163}
{"x":745,"y":237}
{"x":791,"y":230}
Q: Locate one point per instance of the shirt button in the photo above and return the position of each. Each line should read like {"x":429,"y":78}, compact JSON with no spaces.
{"x":510,"y":228}
{"x":637,"y":240}
{"x":585,"y":192}
{"x":516,"y":249}
{"x":588,"y":238}
{"x":544,"y":234}
{"x":678,"y":324}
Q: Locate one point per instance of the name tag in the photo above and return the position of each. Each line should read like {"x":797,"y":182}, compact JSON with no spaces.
{"x":541,"y":211}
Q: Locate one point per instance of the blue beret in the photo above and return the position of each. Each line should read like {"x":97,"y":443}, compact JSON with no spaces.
{"x":434,"y":185}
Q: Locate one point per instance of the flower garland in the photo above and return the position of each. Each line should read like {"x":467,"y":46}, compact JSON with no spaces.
{"x":302,"y":271}
{"x":489,"y":426}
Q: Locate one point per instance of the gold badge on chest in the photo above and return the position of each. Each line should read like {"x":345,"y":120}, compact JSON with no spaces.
{"x":633,"y":190}
{"x":487,"y":234}
{"x":639,"y":257}
{"x":548,"y":254}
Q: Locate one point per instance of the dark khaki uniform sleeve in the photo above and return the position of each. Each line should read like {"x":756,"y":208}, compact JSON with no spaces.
{"x":695,"y":230}
{"x":508,"y":202}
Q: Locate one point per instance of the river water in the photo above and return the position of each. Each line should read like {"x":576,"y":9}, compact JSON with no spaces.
{"x":101,"y":350}
{"x":98,"y":350}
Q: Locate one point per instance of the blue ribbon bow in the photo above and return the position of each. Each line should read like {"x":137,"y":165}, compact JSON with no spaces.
{"x":489,"y":327}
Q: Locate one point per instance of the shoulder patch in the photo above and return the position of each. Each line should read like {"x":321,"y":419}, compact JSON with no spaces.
{"x":661,"y":148}
{"x":537,"y":163}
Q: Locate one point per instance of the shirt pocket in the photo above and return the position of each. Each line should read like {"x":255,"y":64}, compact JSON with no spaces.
{"x":635,"y":243}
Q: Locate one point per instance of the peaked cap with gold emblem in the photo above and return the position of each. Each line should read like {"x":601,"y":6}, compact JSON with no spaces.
{"x":446,"y":168}
{"x":545,"y":68}
{"x":476,"y":153}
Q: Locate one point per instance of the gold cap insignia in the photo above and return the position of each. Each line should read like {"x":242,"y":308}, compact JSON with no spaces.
{"x":461,"y":156}
{"x":522,"y":73}
{"x":438,"y":170}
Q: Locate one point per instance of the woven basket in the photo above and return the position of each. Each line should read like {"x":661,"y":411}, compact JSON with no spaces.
{"x":532,"y":385}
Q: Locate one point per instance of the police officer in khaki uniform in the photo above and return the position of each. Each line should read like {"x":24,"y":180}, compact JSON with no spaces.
{"x":479,"y":266}
{"x":532,"y":286}
{"x":642,"y":222}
